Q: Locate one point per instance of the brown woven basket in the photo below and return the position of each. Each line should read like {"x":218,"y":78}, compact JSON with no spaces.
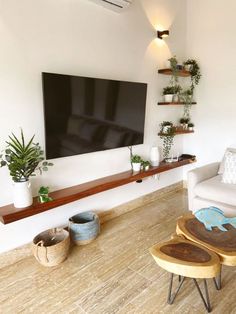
{"x":51,"y":247}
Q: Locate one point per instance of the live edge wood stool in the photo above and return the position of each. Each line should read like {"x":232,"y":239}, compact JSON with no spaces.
{"x":186,"y":259}
{"x":220,"y":242}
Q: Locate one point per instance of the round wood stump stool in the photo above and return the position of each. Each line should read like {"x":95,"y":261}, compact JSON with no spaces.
{"x":220,"y":242}
{"x":186,"y":259}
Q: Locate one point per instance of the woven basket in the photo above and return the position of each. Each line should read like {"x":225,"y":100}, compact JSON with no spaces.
{"x":51,"y":247}
{"x":84,"y":227}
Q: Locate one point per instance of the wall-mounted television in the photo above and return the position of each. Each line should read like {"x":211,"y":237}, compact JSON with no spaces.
{"x":84,"y":114}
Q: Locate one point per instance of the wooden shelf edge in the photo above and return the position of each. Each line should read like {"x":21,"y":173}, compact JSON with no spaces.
{"x":174,"y":103}
{"x":182,"y":73}
{"x":177,"y":133}
{"x":10,"y":214}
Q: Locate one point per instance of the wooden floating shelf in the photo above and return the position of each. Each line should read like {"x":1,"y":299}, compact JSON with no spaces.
{"x":10,"y":214}
{"x":182,"y":73}
{"x":174,"y":103}
{"x":177,"y":132}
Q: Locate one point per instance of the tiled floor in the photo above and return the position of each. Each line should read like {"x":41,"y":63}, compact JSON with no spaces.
{"x":114,"y":274}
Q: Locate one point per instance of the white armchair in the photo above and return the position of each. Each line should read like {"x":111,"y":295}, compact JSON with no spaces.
{"x":206,"y":189}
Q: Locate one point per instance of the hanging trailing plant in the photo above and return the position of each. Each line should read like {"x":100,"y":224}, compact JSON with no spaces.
{"x":168,"y":141}
{"x":195,"y":72}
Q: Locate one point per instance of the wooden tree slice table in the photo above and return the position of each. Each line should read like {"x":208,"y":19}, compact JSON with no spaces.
{"x":220,"y":242}
{"x":186,"y":259}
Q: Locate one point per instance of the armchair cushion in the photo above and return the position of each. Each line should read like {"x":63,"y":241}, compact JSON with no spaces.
{"x":213,"y":189}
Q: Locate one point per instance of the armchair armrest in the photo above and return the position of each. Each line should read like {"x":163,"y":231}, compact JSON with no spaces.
{"x":198,"y":175}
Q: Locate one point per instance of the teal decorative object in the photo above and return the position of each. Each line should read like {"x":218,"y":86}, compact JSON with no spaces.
{"x":214,"y":217}
{"x":43,"y":195}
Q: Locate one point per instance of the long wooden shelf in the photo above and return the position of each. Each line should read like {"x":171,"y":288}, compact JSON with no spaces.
{"x":177,"y":132}
{"x":10,"y":214}
{"x":174,"y":103}
{"x":182,"y":73}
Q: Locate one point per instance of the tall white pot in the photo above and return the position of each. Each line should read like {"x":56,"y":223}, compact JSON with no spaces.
{"x":22,"y":194}
{"x":154,"y":156}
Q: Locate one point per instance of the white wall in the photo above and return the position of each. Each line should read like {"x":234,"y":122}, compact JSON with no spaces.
{"x":211,"y":40}
{"x":80,"y":38}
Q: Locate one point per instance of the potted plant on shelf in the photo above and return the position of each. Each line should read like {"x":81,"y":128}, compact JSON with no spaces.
{"x":177,"y":90}
{"x":165,"y":126}
{"x":186,"y":97}
{"x":184,"y":122}
{"x":168,"y":93}
{"x":136,"y":161}
{"x":146,"y":165}
{"x":190,"y":126}
{"x":23,"y":160}
{"x":168,"y":141}
{"x":192,"y":66}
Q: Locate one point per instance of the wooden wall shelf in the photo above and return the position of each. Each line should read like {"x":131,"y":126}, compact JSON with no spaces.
{"x":182,"y":73}
{"x":10,"y":214}
{"x":177,"y":132}
{"x":174,"y":103}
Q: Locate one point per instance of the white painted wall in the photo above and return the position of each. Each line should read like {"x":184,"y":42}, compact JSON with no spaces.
{"x":211,"y":39}
{"x":80,"y":38}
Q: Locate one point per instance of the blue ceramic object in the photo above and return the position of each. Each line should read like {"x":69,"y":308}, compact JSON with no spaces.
{"x":84,"y":227}
{"x":214,"y":217}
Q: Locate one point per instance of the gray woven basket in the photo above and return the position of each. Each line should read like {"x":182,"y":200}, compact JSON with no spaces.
{"x":84,"y":227}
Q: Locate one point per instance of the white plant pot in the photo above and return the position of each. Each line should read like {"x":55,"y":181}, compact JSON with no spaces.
{"x":154,"y":156}
{"x":168,"y":98}
{"x":22,"y":194}
{"x":166,"y":128}
{"x":187,"y":67}
{"x":190,"y":128}
{"x":136,"y":166}
{"x":146,"y":168}
{"x":175,"y":98}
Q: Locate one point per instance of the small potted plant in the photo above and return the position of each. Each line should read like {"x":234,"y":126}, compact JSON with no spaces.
{"x":190,"y":126}
{"x":168,"y":93}
{"x":136,"y":161}
{"x":165,"y":126}
{"x":184,"y":122}
{"x":177,"y":90}
{"x":43,"y":196}
{"x":146,"y":165}
{"x":23,"y":160}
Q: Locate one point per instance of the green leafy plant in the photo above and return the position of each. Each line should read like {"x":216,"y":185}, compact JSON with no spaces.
{"x":177,"y":89}
{"x":43,"y":194}
{"x":169,"y":90}
{"x":168,"y":141}
{"x":146,"y":163}
{"x":23,"y":159}
{"x":136,"y":159}
{"x":166,"y":123}
{"x":187,"y":97}
{"x":190,"y":125}
{"x":174,"y":67}
{"x":184,"y":120}
{"x":194,"y":72}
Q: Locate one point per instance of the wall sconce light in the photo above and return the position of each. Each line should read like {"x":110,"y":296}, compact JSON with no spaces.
{"x":163,"y":34}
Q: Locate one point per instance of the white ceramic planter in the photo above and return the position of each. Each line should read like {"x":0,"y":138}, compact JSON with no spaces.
{"x":187,"y":67}
{"x":168,"y":98}
{"x":154,"y":156}
{"x":166,"y":128}
{"x":190,"y":128}
{"x":22,"y":194}
{"x":136,"y":166}
{"x":175,"y":98}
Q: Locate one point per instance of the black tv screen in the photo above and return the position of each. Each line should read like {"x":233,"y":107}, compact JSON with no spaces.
{"x":84,"y":114}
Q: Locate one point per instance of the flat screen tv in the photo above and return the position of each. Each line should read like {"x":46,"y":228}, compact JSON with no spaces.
{"x":84,"y":114}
